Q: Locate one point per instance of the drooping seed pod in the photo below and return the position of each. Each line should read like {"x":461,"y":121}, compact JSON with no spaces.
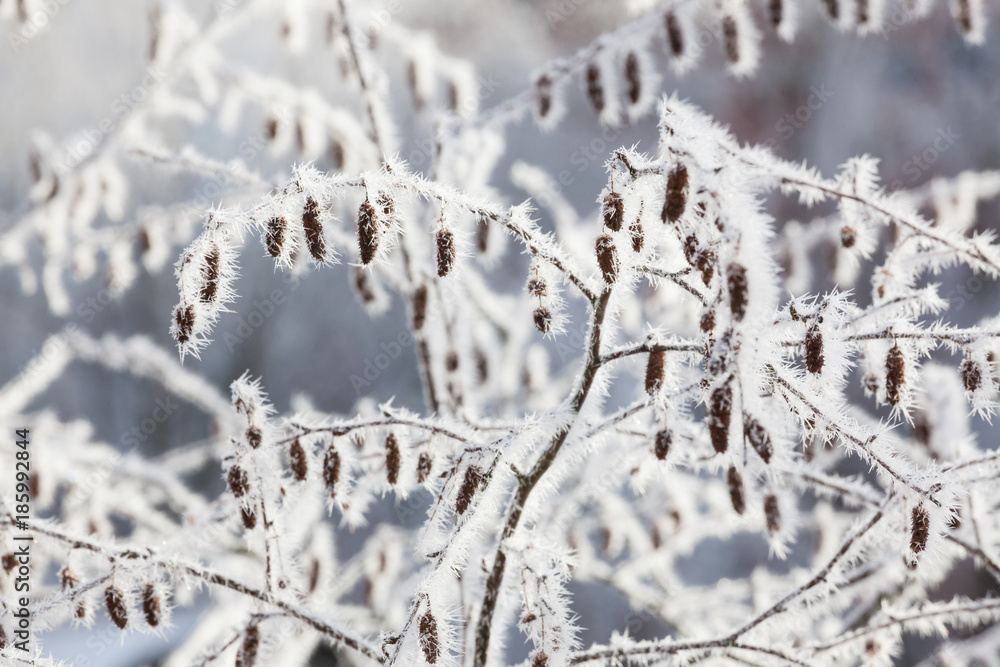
{"x":655,"y":366}
{"x":451,"y":361}
{"x":758,"y":437}
{"x":151,"y":606}
{"x":736,"y":495}
{"x":210,"y":274}
{"x":720,"y":412}
{"x":707,"y":322}
{"x":473,"y":475}
{"x":736,"y":282}
{"x":541,"y":660}
{"x":705,"y":263}
{"x":248,"y":517}
{"x":595,"y":89}
{"x":731,"y":38}
{"x":367,"y":231}
{"x":637,"y":235}
{"x":662,"y":444}
{"x":772,"y":514}
{"x":920,"y":529}
{"x":895,"y":374}
{"x":419,"y":307}
{"x":832,"y":8}
{"x":633,"y":78}
{"x":247,"y":655}
{"x":429,"y":638}
{"x":814,"y":349}
{"x":3,"y":638}
{"x":254,"y":437}
{"x":445,"y":252}
{"x":482,"y":364}
{"x":543,"y":95}
{"x":543,"y":319}
{"x":331,"y":470}
{"x":607,"y":258}
{"x":775,"y":12}
{"x":67,"y":578}
{"x":392,"y":458}
{"x":298,"y":460}
{"x":314,"y":230}
{"x":972,"y":376}
{"x":238,"y":481}
{"x":115,"y":602}
{"x":614,"y":211}
{"x":537,"y":287}
{"x":691,"y":249}
{"x":676,"y":194}
{"x":184,"y":320}
{"x":275,"y":238}
{"x":848,"y":236}
{"x":675,"y":38}
{"x":424,"y":465}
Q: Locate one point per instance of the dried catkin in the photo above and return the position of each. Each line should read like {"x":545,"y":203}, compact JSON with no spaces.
{"x":151,"y":606}
{"x":248,"y":517}
{"x":614,"y":211}
{"x":543,"y":319}
{"x":607,"y":258}
{"x":363,"y":285}
{"x":675,"y":38}
{"x":655,"y":366}
{"x":247,"y":655}
{"x":707,"y":322}
{"x":972,"y":376}
{"x":482,"y":364}
{"x":543,"y":95}
{"x":482,"y":234}
{"x":419,"y":307}
{"x":67,"y":578}
{"x":814,"y":349}
{"x":392,"y":458}
{"x":238,"y":481}
{"x":473,"y":475}
{"x":445,"y":252}
{"x":541,"y":660}
{"x":314,"y":230}
{"x":720,"y":412}
{"x":964,"y":15}
{"x":637,"y":235}
{"x":676,"y":194}
{"x":429,"y":638}
{"x":848,"y":236}
{"x":595,"y":90}
{"x":633,"y":78}
{"x":210,"y":288}
{"x":424,"y":464}
{"x":772,"y":514}
{"x":832,"y":8}
{"x":254,"y":437}
{"x":895,"y":374}
{"x":297,"y":458}
{"x":367,"y":231}
{"x":115,"y":603}
{"x":730,"y":35}
{"x":736,"y":281}
{"x":775,"y":12}
{"x":735,"y":482}
{"x":276,"y":235}
{"x":662,"y":444}
{"x":537,"y":287}
{"x":451,"y":361}
{"x":331,"y":470}
{"x":920,"y":529}
{"x":758,"y":437}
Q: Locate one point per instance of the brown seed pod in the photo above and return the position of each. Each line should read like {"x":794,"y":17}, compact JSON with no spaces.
{"x":632,"y":77}
{"x":363,"y":285}
{"x":3,"y":638}
{"x":772,"y":514}
{"x":895,"y":374}
{"x":210,"y":288}
{"x":392,"y":458}
{"x":543,"y":95}
{"x":662,"y":444}
{"x":424,"y":465}
{"x":595,"y":90}
{"x":367,"y":231}
{"x":607,"y":258}
{"x":115,"y":603}
{"x":832,"y":8}
{"x":482,"y":234}
{"x":920,"y":529}
{"x":972,"y":376}
{"x":814,"y":349}
{"x":275,"y":238}
{"x":730,"y":35}
{"x":68,"y":579}
{"x":248,"y":517}
{"x":429,"y":638}
{"x":543,"y":319}
{"x":735,"y":482}
{"x":614,"y":211}
{"x":775,"y":12}
{"x":720,"y":412}
{"x":254,"y":437}
{"x":707,"y":322}
{"x":691,"y":249}
{"x":537,"y":287}
{"x":736,"y":282}
{"x":541,"y":660}
{"x":675,"y":38}
{"x":151,"y":606}
{"x":247,"y":655}
{"x":451,"y":361}
{"x":637,"y":235}
{"x":314,"y":230}
{"x":184,"y":317}
{"x":445,"y":252}
{"x":299,"y":462}
{"x":482,"y":364}
{"x":331,"y":470}
{"x":758,"y":436}
{"x":848,"y":236}
{"x":237,"y":479}
{"x":655,"y":366}
{"x":705,"y":263}
{"x":419,"y":307}
{"x":675,"y":199}
{"x":473,"y":475}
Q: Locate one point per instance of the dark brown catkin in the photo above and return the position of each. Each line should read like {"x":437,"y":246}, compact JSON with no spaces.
{"x":735,"y":482}
{"x":115,"y":603}
{"x":392,"y":458}
{"x":445,"y":252}
{"x":595,"y":90}
{"x":637,"y":235}
{"x":633,"y":77}
{"x":248,"y":517}
{"x":424,"y":465}
{"x":314,"y":230}
{"x":537,"y":287}
{"x":655,"y":366}
{"x":151,"y":605}
{"x":275,"y":239}
{"x":543,"y":95}
{"x":297,"y":459}
{"x":419,"y":307}
{"x":67,"y":579}
{"x":772,"y":513}
{"x":662,"y":444}
{"x":614,"y":211}
{"x":920,"y":529}
{"x":736,"y":282}
{"x":482,"y":234}
{"x":237,"y":480}
{"x":730,"y":35}
{"x":541,"y":660}
{"x":972,"y":376}
{"x":473,"y":475}
{"x":758,"y":437}
{"x":543,"y":319}
{"x":367,"y":231}
{"x":676,"y":194}
{"x":705,"y":263}
{"x":363,"y":285}
{"x":3,"y":638}
{"x":775,"y":12}
{"x":814,"y":349}
{"x":848,"y":236}
{"x":254,"y":437}
{"x":720,"y":412}
{"x":607,"y":258}
{"x":210,"y":288}
{"x":451,"y":361}
{"x":247,"y":655}
{"x":331,"y":470}
{"x":675,"y":38}
{"x":429,"y":638}
{"x":482,"y":364}
{"x":895,"y":374}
